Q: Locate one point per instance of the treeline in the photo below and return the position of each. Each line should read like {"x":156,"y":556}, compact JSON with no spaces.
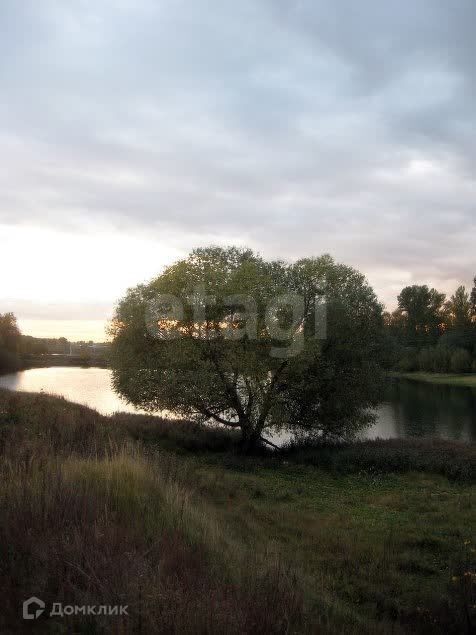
{"x":14,"y":346}
{"x":432,"y":333}
{"x":44,"y":345}
{"x":426,"y":332}
{"x":17,"y":350}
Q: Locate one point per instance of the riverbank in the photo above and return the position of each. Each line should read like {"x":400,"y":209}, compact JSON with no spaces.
{"x":171,"y":520}
{"x":46,"y":361}
{"x":29,"y":362}
{"x":468,"y":379}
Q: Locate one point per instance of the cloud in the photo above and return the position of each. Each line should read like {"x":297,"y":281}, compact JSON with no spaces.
{"x":294,"y":126}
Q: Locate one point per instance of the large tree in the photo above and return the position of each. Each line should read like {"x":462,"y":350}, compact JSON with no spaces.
{"x":224,"y":335}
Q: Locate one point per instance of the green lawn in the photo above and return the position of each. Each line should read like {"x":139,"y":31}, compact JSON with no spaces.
{"x":437,"y":378}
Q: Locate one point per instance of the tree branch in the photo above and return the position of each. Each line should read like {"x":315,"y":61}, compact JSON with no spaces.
{"x":212,"y":415}
{"x":232,"y":392}
{"x":267,"y":399}
{"x":268,"y":442}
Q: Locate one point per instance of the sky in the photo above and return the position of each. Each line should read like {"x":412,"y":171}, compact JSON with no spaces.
{"x":133,"y":131}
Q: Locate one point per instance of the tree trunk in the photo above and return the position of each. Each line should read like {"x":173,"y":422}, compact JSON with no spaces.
{"x":250,"y":437}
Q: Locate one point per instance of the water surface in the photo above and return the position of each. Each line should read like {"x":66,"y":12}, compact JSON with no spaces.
{"x":88,"y":386}
{"x":408,"y":408}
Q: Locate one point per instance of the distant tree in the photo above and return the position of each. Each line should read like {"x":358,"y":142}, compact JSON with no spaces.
{"x":424,"y":359}
{"x":434,"y":359}
{"x":64,"y":345}
{"x":202,"y":361}
{"x":472,"y":300}
{"x":408,"y":362}
{"x":9,"y":341}
{"x":85,"y":355}
{"x":422,"y":310}
{"x":33,"y":345}
{"x":459,"y":309}
{"x":9,"y":332}
{"x":396,"y":322}
{"x":460,"y":361}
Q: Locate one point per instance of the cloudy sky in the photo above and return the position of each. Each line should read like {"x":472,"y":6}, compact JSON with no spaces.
{"x":134,"y":130}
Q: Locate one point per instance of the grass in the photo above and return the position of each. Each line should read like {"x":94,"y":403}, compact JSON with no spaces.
{"x":450,"y":379}
{"x":456,"y":461}
{"x":194,"y":537}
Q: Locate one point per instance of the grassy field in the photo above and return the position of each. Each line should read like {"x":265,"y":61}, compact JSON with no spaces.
{"x":440,"y":378}
{"x":170,"y":520}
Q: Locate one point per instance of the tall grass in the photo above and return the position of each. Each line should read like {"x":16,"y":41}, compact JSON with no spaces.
{"x":99,"y":511}
{"x":90,"y":518}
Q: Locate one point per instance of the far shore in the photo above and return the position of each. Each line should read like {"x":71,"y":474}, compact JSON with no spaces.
{"x":449,"y":379}
{"x":44,"y":361}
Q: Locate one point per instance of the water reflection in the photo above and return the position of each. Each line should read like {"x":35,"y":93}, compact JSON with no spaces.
{"x":417,"y":409}
{"x":408,"y":409}
{"x":88,"y":386}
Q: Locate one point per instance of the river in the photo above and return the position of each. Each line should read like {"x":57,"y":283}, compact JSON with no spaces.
{"x":408,"y":408}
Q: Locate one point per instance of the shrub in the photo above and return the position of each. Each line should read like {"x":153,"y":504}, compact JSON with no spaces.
{"x":456,"y":461}
{"x":424,"y":359}
{"x":460,"y":361}
{"x":9,"y":361}
{"x":408,"y":363}
{"x":434,"y":359}
{"x":440,"y":359}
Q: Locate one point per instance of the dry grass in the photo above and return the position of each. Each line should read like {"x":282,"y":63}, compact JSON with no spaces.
{"x":89,"y":517}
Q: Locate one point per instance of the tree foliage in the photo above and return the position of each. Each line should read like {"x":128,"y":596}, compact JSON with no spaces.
{"x":459,"y":309}
{"x":280,"y":373}
{"x":9,"y":342}
{"x":472,"y":300}
{"x":421,"y":311}
{"x":460,"y":361}
{"x":425,"y":332}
